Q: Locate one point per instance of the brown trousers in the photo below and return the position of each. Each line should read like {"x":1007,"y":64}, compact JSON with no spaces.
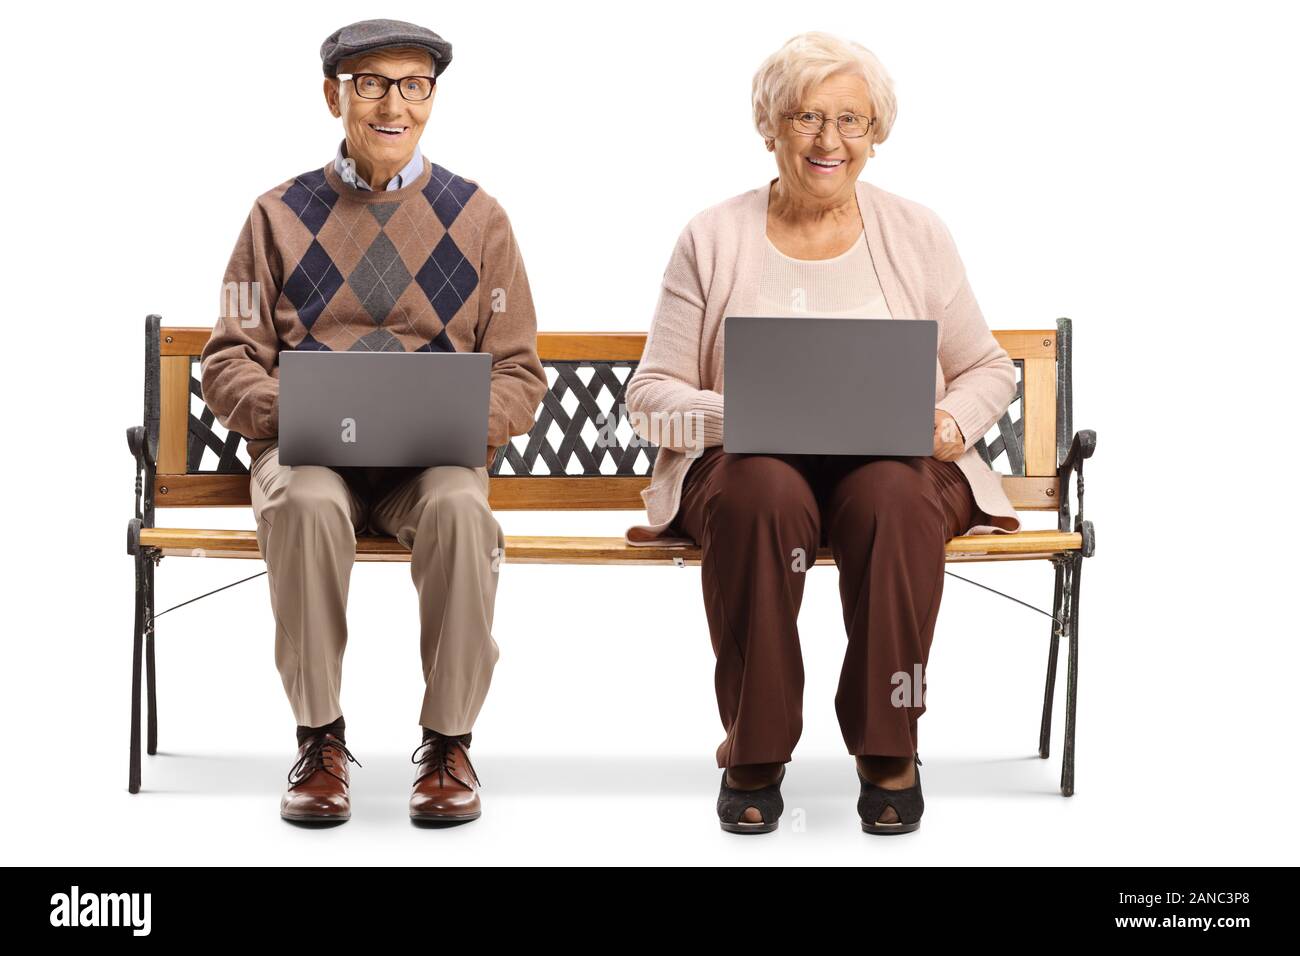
{"x":308,"y":517}
{"x":759,"y":520}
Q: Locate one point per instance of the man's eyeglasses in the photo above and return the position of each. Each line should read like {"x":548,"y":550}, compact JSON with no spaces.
{"x":811,"y":123}
{"x":373,"y":86}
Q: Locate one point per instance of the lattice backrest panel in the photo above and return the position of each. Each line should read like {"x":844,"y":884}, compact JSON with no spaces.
{"x":1003,"y":445}
{"x":581,"y":429}
{"x":212,"y":449}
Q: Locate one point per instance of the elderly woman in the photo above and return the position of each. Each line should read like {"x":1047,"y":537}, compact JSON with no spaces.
{"x":377,"y":250}
{"x":816,"y":241}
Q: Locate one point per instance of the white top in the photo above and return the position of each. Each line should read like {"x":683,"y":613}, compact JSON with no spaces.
{"x":844,"y":287}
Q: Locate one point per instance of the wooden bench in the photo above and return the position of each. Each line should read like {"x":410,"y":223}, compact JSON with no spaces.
{"x":185,"y":459}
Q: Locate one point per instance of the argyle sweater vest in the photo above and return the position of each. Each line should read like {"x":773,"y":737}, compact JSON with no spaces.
{"x":320,"y":264}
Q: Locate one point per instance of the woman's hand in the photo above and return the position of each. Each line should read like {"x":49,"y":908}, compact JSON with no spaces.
{"x":949,"y":443}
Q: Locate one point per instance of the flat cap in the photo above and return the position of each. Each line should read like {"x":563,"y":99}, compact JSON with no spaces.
{"x":365,"y":36}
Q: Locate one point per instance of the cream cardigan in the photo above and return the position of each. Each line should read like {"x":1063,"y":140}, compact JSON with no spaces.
{"x":714,"y":272}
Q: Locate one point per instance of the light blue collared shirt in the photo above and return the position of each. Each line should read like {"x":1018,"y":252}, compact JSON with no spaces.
{"x":347,"y":170}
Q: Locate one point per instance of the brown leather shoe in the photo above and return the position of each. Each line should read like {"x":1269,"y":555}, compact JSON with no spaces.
{"x":318,"y":782}
{"x":446,"y":786}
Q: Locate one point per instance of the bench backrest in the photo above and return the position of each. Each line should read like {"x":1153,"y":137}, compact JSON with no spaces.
{"x":577,"y":457}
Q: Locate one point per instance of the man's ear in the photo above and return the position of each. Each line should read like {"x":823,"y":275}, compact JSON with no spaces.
{"x":332,"y":97}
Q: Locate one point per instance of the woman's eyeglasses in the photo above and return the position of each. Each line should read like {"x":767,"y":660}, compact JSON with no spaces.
{"x":811,"y":123}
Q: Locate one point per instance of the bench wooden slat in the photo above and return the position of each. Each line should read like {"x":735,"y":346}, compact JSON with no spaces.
{"x":619,"y":346}
{"x":534,"y":549}
{"x":539,"y":493}
{"x":174,"y":422}
{"x":1040,"y":416}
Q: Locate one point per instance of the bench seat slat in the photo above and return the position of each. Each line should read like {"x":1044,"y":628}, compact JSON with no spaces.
{"x":534,"y":549}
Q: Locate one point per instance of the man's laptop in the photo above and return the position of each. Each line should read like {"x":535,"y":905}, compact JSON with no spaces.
{"x":397,"y":409}
{"x":805,"y":385}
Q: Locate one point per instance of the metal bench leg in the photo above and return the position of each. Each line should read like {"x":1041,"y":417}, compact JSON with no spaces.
{"x":141,"y":611}
{"x":151,"y":671}
{"x":1053,"y":652}
{"x":1072,"y":679}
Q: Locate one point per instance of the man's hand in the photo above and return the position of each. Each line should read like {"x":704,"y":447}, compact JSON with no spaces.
{"x":949,"y":443}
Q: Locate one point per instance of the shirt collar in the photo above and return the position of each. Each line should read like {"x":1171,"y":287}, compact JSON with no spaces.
{"x":346,"y":168}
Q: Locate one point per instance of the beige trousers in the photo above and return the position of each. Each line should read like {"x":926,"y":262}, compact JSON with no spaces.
{"x":308,"y":517}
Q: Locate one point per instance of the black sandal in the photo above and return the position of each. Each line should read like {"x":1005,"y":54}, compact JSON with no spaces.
{"x":907,"y":803}
{"x":733,"y":803}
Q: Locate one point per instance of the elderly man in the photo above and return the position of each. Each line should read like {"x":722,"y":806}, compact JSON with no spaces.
{"x":379,"y":250}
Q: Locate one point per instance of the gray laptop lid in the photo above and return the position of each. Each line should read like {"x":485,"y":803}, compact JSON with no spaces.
{"x":804,"y":385}
{"x":384,"y":408}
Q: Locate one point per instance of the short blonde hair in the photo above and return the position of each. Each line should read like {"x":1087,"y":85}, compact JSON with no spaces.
{"x":803,"y":63}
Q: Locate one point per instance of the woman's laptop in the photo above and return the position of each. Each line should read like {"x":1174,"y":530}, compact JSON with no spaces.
{"x":805,"y":385}
{"x":397,"y":409}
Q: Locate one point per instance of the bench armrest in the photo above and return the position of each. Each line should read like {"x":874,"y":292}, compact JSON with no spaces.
{"x":1084,"y":444}
{"x":1081,"y":449}
{"x":137,"y":439}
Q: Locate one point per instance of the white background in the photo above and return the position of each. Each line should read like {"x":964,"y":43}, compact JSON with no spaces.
{"x":1128,"y":165}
